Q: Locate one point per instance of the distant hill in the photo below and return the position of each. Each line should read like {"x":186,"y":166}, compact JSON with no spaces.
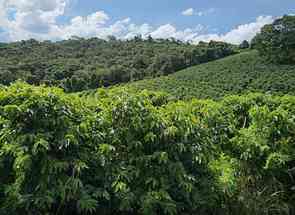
{"x":236,"y":74}
{"x":80,"y":64}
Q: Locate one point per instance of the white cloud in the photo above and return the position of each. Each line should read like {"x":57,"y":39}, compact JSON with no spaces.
{"x":31,"y":18}
{"x":188,"y":12}
{"x":239,"y":34}
{"x":3,"y":19}
{"x":247,"y":31}
{"x":134,"y":30}
{"x":164,"y":31}
{"x":193,"y":12}
{"x":33,"y":5}
{"x":205,"y":12}
{"x":38,"y":19}
{"x":81,"y":26}
{"x":168,"y":31}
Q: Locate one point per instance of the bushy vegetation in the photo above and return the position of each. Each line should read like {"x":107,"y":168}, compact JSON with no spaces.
{"x":143,"y":153}
{"x":276,"y":42}
{"x":128,"y":150}
{"x":238,"y":74}
{"x":81,"y":64}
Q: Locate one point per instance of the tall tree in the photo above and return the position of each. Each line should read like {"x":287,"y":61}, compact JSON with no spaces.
{"x":276,"y":41}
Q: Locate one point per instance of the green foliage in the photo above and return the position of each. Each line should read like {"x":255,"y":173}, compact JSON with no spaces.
{"x":80,"y":64}
{"x":128,"y":152}
{"x":41,"y":155}
{"x":276,"y":42}
{"x":264,"y":146}
{"x":238,"y":74}
{"x":244,"y":45}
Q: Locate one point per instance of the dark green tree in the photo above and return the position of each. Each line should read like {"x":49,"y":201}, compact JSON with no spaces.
{"x":244,"y":45}
{"x":276,"y":42}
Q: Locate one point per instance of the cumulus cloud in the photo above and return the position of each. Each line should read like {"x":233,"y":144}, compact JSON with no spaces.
{"x":239,"y":34}
{"x":188,"y":12}
{"x":168,"y":31}
{"x":25,"y":19}
{"x":82,"y":26}
{"x":31,"y":18}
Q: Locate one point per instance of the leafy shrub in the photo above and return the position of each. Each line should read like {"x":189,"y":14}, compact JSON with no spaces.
{"x":142,"y":153}
{"x":264,"y":147}
{"x":42,"y":156}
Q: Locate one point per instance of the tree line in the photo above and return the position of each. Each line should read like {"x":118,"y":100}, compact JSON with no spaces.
{"x":80,"y":64}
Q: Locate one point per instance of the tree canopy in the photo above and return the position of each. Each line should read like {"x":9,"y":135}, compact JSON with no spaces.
{"x":80,"y":64}
{"x":276,"y":41}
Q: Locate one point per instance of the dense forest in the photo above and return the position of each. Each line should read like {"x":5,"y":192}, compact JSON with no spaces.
{"x":216,"y":138}
{"x":81,"y":64}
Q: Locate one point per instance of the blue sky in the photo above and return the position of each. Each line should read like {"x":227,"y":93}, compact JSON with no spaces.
{"x":228,"y":13}
{"x":194,"y":20}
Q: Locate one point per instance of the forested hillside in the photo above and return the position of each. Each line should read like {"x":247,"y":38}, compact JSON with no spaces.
{"x":81,"y":64}
{"x":238,"y":74}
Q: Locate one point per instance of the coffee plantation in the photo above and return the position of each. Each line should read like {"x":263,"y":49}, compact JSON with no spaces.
{"x":145,"y":153}
{"x":215,"y":138}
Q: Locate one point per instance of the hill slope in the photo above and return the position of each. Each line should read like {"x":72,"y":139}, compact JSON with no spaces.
{"x":232,"y":75}
{"x":81,"y":64}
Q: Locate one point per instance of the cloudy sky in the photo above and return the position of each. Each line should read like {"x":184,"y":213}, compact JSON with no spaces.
{"x":189,"y":20}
